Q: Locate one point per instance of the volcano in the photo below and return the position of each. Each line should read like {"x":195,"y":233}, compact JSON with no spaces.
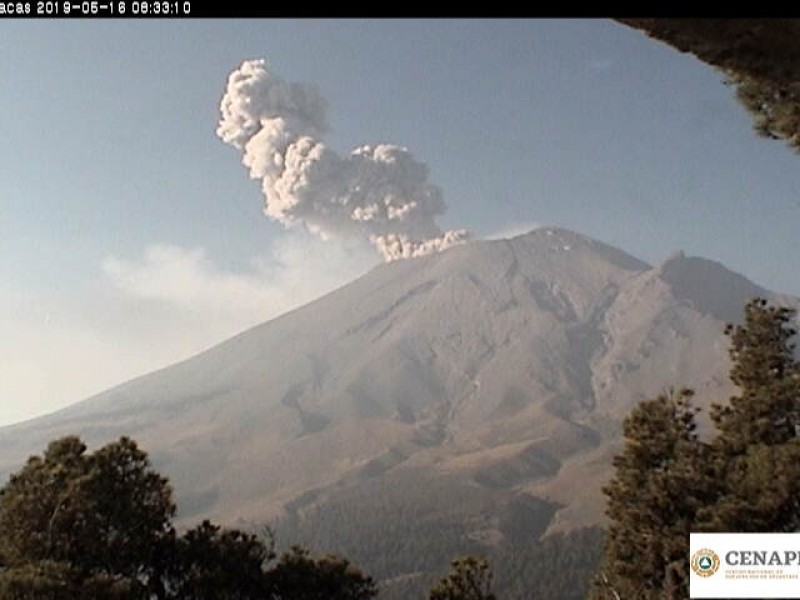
{"x":466,"y":401}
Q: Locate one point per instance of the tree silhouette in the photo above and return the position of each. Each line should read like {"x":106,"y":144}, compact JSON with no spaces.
{"x":98,"y":526}
{"x":759,"y":57}
{"x":470,"y":578}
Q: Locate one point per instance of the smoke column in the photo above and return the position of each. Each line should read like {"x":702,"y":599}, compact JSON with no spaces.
{"x":379,"y":193}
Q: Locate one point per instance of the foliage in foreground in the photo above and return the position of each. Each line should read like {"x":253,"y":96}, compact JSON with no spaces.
{"x":669,"y":483}
{"x":470,"y":578}
{"x":760,"y":57}
{"x":98,"y":526}
{"x":75,"y":525}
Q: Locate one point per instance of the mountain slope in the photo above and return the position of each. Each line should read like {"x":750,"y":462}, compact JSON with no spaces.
{"x":476,"y":394}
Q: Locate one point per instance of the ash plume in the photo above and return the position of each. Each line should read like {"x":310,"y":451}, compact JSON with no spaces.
{"x":379,"y":193}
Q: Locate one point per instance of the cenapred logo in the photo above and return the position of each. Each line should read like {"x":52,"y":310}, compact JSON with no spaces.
{"x":705,"y":562}
{"x":744,"y":565}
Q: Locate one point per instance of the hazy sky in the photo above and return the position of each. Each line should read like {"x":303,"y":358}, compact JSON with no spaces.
{"x":131,"y":236}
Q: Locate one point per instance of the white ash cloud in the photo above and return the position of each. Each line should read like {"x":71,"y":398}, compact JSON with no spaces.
{"x":395,"y":246}
{"x":378,"y":193}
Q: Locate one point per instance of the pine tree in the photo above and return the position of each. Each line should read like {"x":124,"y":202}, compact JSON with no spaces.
{"x":298,"y":576}
{"x":76,"y":521}
{"x":79,"y":526}
{"x":211,"y":563}
{"x":668,"y":483}
{"x":757,"y":451}
{"x":658,"y":488}
{"x":470,"y":578}
{"x":767,"y":409}
{"x":38,"y":505}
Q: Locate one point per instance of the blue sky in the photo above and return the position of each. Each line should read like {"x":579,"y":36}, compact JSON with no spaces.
{"x":131,"y":236}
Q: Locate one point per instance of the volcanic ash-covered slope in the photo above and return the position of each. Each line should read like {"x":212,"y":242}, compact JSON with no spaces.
{"x":464,"y":348}
{"x":479,"y":384}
